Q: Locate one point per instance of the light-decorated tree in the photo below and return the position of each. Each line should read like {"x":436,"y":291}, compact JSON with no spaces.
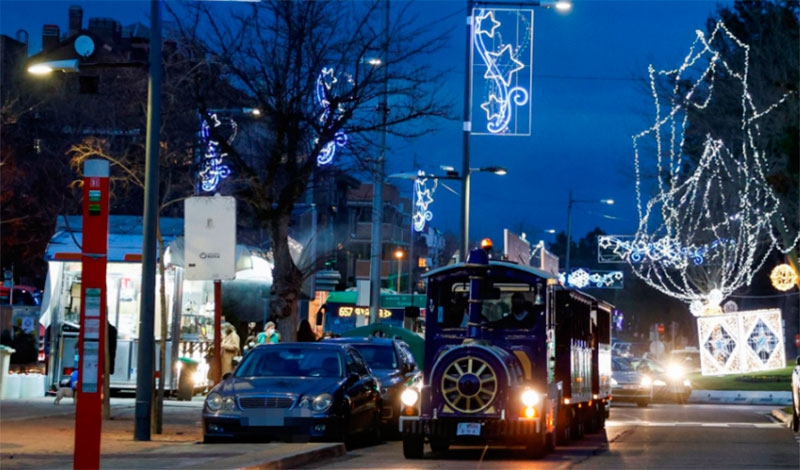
{"x":318,"y":72}
{"x":714,"y":211}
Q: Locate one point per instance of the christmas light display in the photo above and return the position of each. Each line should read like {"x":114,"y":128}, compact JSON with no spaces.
{"x":741,"y":342}
{"x":582,"y":278}
{"x":783,"y":277}
{"x":502,"y":39}
{"x":711,"y":221}
{"x":213,"y":168}
{"x":328,"y":85}
{"x":423,"y":198}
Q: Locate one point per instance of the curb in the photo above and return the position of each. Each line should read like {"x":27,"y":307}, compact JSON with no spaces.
{"x":296,"y":459}
{"x":741,"y":398}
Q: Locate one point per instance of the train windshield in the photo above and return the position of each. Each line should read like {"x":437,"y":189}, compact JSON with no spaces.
{"x":509,"y":305}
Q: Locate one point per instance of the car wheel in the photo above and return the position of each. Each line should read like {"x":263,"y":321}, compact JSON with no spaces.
{"x":795,"y":421}
{"x":377,"y":429}
{"x":439,"y":444}
{"x":413,"y":446}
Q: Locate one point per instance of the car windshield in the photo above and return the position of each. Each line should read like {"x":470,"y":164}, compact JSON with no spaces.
{"x":378,"y":356}
{"x":269,"y":361}
{"x":621,"y":365}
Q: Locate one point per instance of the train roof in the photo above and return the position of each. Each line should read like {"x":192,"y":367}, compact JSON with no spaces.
{"x":505,"y":264}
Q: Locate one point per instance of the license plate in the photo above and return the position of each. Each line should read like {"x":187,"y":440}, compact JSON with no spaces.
{"x":468,"y":429}
{"x":630,"y":387}
{"x":262,"y":418}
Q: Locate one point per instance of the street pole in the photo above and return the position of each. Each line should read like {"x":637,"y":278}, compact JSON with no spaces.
{"x":467,"y":129}
{"x":569,"y":233}
{"x":145,"y":361}
{"x":376,"y":248}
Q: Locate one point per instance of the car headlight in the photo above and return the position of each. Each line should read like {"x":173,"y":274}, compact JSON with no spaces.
{"x":322,"y":402}
{"x":530,"y":397}
{"x":646,"y":382}
{"x":409,"y":397}
{"x":214,"y":401}
{"x":229,"y":404}
{"x":675,"y":371}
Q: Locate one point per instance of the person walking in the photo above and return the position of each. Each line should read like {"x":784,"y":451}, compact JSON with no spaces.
{"x":305,"y":333}
{"x":269,"y":335}
{"x":230,"y":348}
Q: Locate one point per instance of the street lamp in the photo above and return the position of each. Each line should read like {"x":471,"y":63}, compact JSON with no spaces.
{"x":569,"y":222}
{"x":398,"y":253}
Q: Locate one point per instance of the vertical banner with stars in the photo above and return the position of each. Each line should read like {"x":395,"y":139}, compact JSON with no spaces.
{"x":502,"y":71}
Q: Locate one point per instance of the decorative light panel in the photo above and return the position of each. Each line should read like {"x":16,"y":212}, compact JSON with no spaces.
{"x":213,"y":168}
{"x":581,"y":278}
{"x":783,"y":277}
{"x":710,"y":223}
{"x":502,"y":39}
{"x":423,"y":197}
{"x":741,"y":342}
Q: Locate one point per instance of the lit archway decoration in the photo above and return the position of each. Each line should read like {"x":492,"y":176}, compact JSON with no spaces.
{"x":783,"y":277}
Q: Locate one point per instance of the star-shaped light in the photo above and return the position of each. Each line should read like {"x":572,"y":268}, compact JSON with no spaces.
{"x":510,"y":64}
{"x":479,"y":29}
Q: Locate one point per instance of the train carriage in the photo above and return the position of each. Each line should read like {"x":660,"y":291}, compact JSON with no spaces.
{"x":511,"y":358}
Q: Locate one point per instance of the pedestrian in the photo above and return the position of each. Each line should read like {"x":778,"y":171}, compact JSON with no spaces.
{"x":230,"y":348}
{"x":269,"y":335}
{"x":305,"y":333}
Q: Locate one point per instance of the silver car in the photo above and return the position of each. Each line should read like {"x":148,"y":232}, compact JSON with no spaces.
{"x":629,"y":384}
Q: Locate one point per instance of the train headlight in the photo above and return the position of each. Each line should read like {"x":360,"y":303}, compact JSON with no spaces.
{"x":409,"y":397}
{"x":530,"y":398}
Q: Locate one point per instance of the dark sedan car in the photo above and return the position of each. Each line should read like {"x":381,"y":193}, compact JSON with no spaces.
{"x":296,"y":392}
{"x":394,"y":364}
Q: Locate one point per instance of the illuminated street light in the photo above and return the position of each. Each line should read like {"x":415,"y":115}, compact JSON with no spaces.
{"x":399,"y":255}
{"x":569,"y":222}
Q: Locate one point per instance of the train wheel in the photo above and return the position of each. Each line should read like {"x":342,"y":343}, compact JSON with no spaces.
{"x":563,"y":425}
{"x":439,"y":444}
{"x":577,"y":428}
{"x":538,"y":448}
{"x":602,"y":415}
{"x":413,"y":446}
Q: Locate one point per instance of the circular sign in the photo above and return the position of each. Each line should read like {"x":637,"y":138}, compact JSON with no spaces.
{"x":84,"y":46}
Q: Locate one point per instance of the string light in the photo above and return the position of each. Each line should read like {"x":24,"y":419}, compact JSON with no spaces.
{"x":504,"y":63}
{"x":213,"y":167}
{"x":710,"y":228}
{"x":582,"y":278}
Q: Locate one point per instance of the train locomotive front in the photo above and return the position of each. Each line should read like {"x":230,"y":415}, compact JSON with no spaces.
{"x":486,"y":370}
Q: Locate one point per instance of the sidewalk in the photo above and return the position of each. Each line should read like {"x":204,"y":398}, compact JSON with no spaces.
{"x":34,"y":433}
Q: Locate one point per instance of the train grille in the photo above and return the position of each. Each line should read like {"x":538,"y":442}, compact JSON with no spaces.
{"x":469,"y":385}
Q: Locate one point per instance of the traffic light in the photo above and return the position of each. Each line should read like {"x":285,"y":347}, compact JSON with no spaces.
{"x":326,"y":280}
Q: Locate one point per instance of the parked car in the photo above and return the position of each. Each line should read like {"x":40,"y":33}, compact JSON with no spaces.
{"x":669,"y":380}
{"x":796,"y":396}
{"x":394,"y":364}
{"x":628,"y":384}
{"x":318,"y":391}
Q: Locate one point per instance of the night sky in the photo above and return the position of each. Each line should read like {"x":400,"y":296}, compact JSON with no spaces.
{"x":589,"y":98}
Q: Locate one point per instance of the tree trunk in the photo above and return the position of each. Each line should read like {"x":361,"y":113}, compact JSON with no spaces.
{"x":287,"y":281}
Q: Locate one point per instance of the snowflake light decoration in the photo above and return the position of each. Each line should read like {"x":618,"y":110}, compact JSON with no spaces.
{"x":708,"y":226}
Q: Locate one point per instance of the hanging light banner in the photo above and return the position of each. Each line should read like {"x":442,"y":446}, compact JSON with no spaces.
{"x":502,"y":71}
{"x":582,"y":278}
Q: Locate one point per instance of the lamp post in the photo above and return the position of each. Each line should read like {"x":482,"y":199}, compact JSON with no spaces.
{"x":497,"y":170}
{"x":145,"y":360}
{"x":376,"y":248}
{"x":569,"y":223}
{"x":398,"y":253}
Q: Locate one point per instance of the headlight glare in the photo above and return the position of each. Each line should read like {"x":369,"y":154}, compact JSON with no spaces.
{"x":646,"y":382}
{"x":530,"y":398}
{"x":214,"y":401}
{"x":409,"y":397}
{"x":675,"y":371}
{"x":322,"y":402}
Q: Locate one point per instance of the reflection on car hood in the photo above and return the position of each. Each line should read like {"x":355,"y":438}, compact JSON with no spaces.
{"x":387,"y":376}
{"x":627,"y":377}
{"x":279,"y":385}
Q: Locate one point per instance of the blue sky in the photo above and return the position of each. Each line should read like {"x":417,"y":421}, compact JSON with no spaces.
{"x":588,"y":100}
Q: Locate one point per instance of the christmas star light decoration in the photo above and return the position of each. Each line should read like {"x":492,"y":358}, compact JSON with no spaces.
{"x":328,"y":86}
{"x":710,"y":221}
{"x":423,"y":198}
{"x":503,"y":62}
{"x":213,"y":167}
